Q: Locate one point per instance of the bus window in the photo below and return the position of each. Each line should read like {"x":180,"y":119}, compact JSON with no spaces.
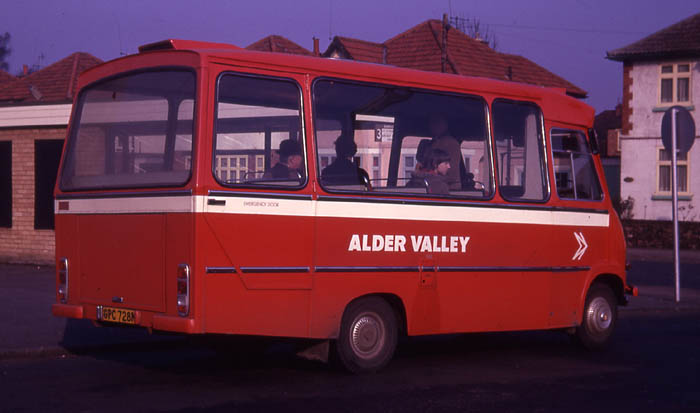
{"x":132,"y":131}
{"x":258,"y":138}
{"x":522,"y":172}
{"x":573,"y":166}
{"x":368,"y":139}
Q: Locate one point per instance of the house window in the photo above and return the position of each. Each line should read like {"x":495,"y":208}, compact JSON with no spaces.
{"x":663,"y":173}
{"x":376,"y":167}
{"x":675,"y":84}
{"x":235,"y":168}
{"x":47,"y":155}
{"x":409,"y":163}
{"x":5,"y":184}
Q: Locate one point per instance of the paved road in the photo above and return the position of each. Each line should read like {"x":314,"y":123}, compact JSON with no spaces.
{"x":652,"y":366}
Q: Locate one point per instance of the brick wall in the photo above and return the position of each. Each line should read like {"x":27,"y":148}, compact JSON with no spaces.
{"x":22,"y":243}
{"x":659,"y":234}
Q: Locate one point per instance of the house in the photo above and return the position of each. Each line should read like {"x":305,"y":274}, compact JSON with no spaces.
{"x":278,"y":44}
{"x":34,"y":113}
{"x":436,"y":46}
{"x":659,"y":71}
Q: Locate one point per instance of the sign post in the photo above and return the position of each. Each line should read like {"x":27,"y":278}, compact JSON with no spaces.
{"x":677,"y":135}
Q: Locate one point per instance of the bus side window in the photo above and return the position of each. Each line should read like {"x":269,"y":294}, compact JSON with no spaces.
{"x":573,"y":166}
{"x":387,"y":124}
{"x":522,"y":172}
{"x":258,"y":137}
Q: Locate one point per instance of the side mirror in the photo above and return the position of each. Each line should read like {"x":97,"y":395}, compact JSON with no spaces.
{"x":593,"y":141}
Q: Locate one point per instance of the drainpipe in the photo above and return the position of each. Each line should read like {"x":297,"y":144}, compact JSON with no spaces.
{"x":443,"y":59}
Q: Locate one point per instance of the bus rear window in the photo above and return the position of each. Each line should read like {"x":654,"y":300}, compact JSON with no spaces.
{"x":132,"y":131}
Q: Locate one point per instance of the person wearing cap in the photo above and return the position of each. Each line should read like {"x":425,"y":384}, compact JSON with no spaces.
{"x":290,"y":163}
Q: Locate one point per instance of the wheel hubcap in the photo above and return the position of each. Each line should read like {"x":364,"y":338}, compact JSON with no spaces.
{"x":599,"y":316}
{"x":367,"y":335}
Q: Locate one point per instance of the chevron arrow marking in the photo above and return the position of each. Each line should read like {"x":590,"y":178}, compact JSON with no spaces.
{"x":582,"y":246}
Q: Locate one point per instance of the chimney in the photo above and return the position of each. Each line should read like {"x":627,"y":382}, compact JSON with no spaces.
{"x":25,"y":70}
{"x":316,"y":48}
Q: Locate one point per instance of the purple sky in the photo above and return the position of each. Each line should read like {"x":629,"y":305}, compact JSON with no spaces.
{"x":568,"y":37}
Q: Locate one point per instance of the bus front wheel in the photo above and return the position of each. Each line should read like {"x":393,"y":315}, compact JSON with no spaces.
{"x":368,"y":335}
{"x":599,"y":318}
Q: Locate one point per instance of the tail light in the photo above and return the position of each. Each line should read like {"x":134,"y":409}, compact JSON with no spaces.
{"x":62,"y":284}
{"x":183,"y":290}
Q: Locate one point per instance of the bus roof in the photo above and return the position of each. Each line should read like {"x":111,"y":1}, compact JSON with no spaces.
{"x":555,"y":103}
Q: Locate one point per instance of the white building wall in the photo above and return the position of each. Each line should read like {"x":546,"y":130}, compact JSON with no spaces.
{"x":639,"y":147}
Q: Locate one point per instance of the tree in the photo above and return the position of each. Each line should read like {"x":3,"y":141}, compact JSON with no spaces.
{"x":4,"y":50}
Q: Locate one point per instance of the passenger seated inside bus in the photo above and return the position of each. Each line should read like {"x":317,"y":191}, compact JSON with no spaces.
{"x":466,"y":178}
{"x":439,"y":130}
{"x":343,"y":170}
{"x":434,"y":172}
{"x":290,"y":163}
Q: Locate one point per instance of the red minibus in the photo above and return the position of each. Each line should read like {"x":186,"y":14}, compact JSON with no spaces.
{"x":205,"y":188}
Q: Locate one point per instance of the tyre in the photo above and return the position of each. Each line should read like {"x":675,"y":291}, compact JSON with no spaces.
{"x":599,"y":318}
{"x":368,"y":335}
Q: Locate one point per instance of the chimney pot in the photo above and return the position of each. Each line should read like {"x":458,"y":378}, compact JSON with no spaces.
{"x":317,"y":52}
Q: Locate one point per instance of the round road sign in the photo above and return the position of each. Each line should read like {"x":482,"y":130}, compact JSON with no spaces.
{"x":685,"y":129}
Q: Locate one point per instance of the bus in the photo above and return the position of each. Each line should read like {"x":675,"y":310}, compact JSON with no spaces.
{"x":205,"y":188}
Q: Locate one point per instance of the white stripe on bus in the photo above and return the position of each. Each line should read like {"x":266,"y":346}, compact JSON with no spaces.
{"x":330,"y":209}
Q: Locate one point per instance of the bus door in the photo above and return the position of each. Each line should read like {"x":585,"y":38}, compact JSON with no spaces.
{"x":260,"y":214}
{"x":586,"y":237}
{"x":522,"y":228}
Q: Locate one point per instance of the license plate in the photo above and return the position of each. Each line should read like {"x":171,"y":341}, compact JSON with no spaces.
{"x":116,"y":315}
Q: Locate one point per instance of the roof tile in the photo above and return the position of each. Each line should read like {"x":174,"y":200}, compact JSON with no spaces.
{"x":52,"y":84}
{"x":278,"y":44}
{"x":6,"y":77}
{"x":678,"y":40}
{"x":362,"y":50}
{"x":421,"y":48}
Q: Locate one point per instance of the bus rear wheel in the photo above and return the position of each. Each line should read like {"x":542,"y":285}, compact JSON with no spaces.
{"x":368,"y":335}
{"x":599,"y":318}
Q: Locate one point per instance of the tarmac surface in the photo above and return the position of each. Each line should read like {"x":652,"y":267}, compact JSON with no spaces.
{"x":30,"y":330}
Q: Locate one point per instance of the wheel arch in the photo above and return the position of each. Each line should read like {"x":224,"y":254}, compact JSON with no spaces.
{"x":613,"y":281}
{"x":396,"y":304}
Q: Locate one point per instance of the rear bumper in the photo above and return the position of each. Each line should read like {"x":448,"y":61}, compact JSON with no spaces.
{"x":67,"y":310}
{"x":178,"y":324}
{"x":158,"y":321}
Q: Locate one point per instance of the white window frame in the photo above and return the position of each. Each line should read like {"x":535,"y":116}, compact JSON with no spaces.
{"x":674,"y":75}
{"x":680,"y":162}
